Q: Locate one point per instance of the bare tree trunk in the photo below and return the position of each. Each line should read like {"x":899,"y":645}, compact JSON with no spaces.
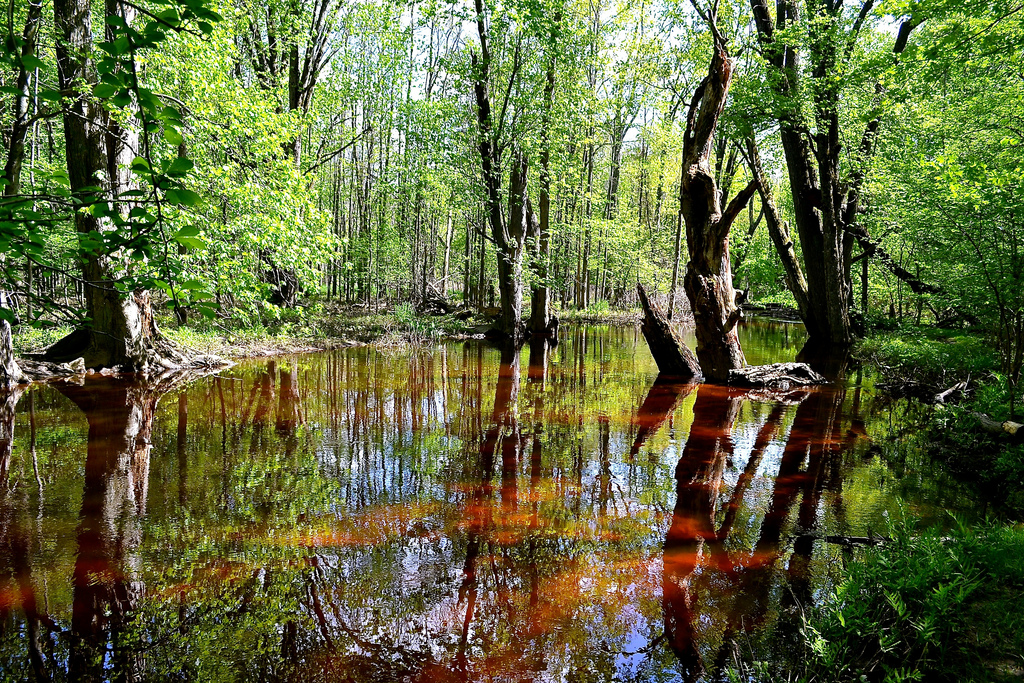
{"x":672,"y":356}
{"x":708,"y":280}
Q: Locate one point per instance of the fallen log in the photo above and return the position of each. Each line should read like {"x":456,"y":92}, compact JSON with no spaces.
{"x":953,"y":393}
{"x":780,"y":376}
{"x":673,"y":357}
{"x":1013,"y":430}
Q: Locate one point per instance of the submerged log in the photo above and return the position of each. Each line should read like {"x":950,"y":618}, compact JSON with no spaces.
{"x":674,"y":359}
{"x":777,"y":376}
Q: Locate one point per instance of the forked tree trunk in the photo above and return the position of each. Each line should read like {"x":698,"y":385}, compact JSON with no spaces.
{"x":708,"y":280}
{"x":825,"y":205}
{"x":509,"y":237}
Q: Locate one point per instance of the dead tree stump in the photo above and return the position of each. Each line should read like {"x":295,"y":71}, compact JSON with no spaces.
{"x":674,"y":359}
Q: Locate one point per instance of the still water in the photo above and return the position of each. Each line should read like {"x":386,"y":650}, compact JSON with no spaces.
{"x":431,"y":515}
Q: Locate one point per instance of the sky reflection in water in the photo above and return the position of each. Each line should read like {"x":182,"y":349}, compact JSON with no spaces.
{"x":442,"y":514}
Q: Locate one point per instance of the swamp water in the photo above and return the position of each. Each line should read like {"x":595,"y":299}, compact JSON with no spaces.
{"x":432,"y":515}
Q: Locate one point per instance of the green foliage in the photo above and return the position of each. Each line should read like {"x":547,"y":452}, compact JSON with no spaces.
{"x":925,"y":606}
{"x":928,"y":355}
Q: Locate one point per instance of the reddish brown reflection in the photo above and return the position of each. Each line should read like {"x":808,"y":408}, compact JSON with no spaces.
{"x":661,"y":402}
{"x":16,"y":589}
{"x":440,"y":514}
{"x":698,"y":552}
{"x":105,"y":588}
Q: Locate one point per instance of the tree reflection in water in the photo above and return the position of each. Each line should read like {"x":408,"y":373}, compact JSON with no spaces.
{"x":715,"y":586}
{"x":456,"y":514}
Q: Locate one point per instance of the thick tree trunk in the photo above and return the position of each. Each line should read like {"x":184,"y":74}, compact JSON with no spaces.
{"x":674,"y":359}
{"x":511,"y":244}
{"x":708,"y":280}
{"x":106,"y":590}
{"x":121,"y":332}
{"x":824,"y":206}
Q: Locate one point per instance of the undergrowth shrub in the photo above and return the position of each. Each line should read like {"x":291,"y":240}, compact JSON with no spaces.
{"x":926,"y":606}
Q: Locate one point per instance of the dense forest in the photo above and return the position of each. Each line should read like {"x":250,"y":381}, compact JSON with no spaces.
{"x":725,"y":311}
{"x":237,"y":160}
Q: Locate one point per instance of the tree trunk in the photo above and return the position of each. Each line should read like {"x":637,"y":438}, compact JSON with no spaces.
{"x":510,"y":238}
{"x":672,"y":356}
{"x":708,"y":280}
{"x":121,"y":332}
{"x":511,"y":244}
{"x":778,"y":230}
{"x":10,"y":373}
{"x":541,"y":320}
{"x":22,"y":103}
{"x":106,"y":590}
{"x":824,"y":206}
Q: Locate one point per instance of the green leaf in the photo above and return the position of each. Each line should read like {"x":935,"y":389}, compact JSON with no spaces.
{"x":188,"y":197}
{"x":190,"y":242}
{"x":140,"y":165}
{"x":104,"y":90}
{"x":179,"y":167}
{"x":172,"y":136}
{"x":188,"y":231}
{"x":31,"y":62}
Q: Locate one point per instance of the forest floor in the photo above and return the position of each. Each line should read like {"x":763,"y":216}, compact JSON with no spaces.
{"x":320,"y":327}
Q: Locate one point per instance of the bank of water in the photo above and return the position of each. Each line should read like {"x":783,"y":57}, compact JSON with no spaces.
{"x":436,"y":514}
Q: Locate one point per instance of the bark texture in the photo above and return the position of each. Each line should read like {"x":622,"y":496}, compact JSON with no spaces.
{"x":674,"y":359}
{"x":10,"y":372}
{"x":776,"y":376}
{"x":121,"y":333}
{"x":708,"y":280}
{"x":541,"y":320}
{"x":509,"y":237}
